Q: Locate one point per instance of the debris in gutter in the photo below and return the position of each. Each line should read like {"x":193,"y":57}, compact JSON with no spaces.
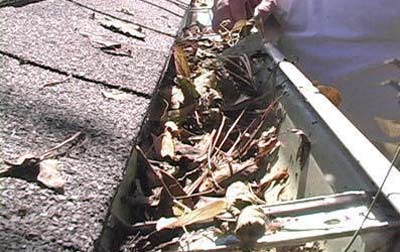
{"x":205,"y":162}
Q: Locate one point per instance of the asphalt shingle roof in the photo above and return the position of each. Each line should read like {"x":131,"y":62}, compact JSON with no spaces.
{"x":40,"y":43}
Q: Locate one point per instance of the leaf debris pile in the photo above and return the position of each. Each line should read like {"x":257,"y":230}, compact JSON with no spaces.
{"x":213,"y":138}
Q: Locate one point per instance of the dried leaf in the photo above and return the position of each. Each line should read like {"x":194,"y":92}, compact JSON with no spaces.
{"x":197,"y":152}
{"x":266,"y":145}
{"x":115,"y":95}
{"x":33,"y":169}
{"x":227,"y":173}
{"x":181,"y":62}
{"x":164,"y":145}
{"x":196,"y":216}
{"x":242,"y":26}
{"x":390,"y":127}
{"x":171,"y":127}
{"x":332,"y":93}
{"x":125,"y":28}
{"x":267,"y":181}
{"x":49,"y":174}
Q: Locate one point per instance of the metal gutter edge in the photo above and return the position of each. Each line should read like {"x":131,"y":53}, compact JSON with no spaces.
{"x":373,"y":163}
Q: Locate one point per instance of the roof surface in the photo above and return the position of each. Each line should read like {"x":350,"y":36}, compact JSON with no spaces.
{"x":45,"y":42}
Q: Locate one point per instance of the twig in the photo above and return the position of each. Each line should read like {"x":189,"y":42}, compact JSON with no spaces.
{"x":197,"y":183}
{"x":247,"y":82}
{"x":229,"y":131}
{"x":195,"y":194}
{"x":262,"y":120}
{"x":246,"y":62}
{"x":214,"y":180}
{"x":50,"y":84}
{"x":189,"y":173}
{"x":221,"y":127}
{"x":49,"y":153}
{"x":166,"y":187}
{"x":237,"y":141}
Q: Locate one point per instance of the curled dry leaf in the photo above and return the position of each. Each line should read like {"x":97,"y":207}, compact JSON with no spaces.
{"x":242,"y":27}
{"x":172,"y":186}
{"x":196,"y":152}
{"x":196,"y":216}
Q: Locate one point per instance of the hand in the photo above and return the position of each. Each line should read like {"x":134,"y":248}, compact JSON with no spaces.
{"x":235,"y":10}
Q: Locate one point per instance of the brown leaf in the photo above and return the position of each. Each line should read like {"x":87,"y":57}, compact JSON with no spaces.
{"x":49,"y":174}
{"x":333,"y":94}
{"x":181,"y":62}
{"x":197,"y":152}
{"x":242,"y":26}
{"x":172,"y":127}
{"x":267,"y":143}
{"x":269,"y":179}
{"x":32,"y":169}
{"x":196,"y":216}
